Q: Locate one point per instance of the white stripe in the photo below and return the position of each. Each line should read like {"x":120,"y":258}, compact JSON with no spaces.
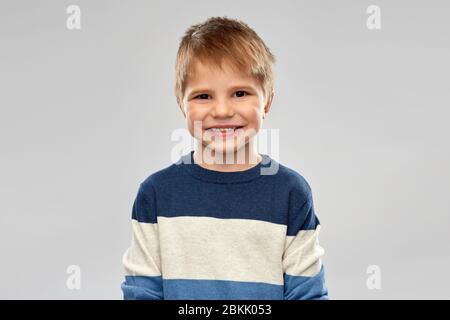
{"x":302,"y":253}
{"x":221,"y":249}
{"x":142,"y":258}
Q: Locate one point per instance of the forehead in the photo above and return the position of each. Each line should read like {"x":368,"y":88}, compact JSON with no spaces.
{"x":202,"y":72}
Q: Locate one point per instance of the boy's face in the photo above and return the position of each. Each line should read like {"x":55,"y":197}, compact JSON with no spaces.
{"x":224,"y":98}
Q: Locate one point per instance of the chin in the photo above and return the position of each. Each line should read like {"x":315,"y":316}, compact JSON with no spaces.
{"x":234,"y":148}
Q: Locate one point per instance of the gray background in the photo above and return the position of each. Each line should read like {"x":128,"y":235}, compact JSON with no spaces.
{"x":86,"y":115}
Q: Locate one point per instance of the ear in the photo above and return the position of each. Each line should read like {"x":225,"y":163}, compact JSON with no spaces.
{"x":269,"y":103}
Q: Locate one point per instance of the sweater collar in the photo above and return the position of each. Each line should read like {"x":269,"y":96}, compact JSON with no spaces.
{"x":188,"y":163}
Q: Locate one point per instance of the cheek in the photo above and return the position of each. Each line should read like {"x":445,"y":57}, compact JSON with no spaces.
{"x":192,"y":115}
{"x":195,"y":111}
{"x":253,"y":115}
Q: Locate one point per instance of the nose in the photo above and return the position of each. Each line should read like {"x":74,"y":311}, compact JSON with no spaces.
{"x":222,"y":109}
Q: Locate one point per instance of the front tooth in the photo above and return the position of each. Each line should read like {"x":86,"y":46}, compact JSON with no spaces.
{"x":223,"y":129}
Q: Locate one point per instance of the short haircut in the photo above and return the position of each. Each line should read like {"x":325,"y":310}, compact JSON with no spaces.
{"x":218,"y":39}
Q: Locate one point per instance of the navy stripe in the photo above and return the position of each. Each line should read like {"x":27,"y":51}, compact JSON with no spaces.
{"x":301,"y":217}
{"x":278,"y":198}
{"x":144,"y":206}
{"x":259,"y":200}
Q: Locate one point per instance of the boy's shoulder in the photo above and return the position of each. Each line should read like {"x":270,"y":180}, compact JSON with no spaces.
{"x":167,"y":174}
{"x":294,"y":180}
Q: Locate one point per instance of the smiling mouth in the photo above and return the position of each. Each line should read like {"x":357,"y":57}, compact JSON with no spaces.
{"x":230,"y":129}
{"x":223,"y":132}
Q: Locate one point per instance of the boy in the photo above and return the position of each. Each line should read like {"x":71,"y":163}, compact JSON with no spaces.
{"x":205,"y":229}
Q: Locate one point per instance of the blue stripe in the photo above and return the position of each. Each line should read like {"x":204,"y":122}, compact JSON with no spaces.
{"x":295,"y":288}
{"x":306,"y":288}
{"x":142,"y":288}
{"x":187,"y":289}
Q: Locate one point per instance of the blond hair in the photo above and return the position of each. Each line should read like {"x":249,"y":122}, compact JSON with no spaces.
{"x":218,"y":39}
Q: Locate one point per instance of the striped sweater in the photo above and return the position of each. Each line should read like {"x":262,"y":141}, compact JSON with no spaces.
{"x":203,"y":234}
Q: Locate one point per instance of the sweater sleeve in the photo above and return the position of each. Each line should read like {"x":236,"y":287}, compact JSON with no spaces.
{"x":141,"y":261}
{"x":304,"y":275}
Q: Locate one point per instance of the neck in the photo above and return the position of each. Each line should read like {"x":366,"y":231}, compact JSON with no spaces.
{"x":239,"y":160}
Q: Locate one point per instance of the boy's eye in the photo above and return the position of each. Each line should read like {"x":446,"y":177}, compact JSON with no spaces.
{"x":203,"y":95}
{"x":241,"y":92}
